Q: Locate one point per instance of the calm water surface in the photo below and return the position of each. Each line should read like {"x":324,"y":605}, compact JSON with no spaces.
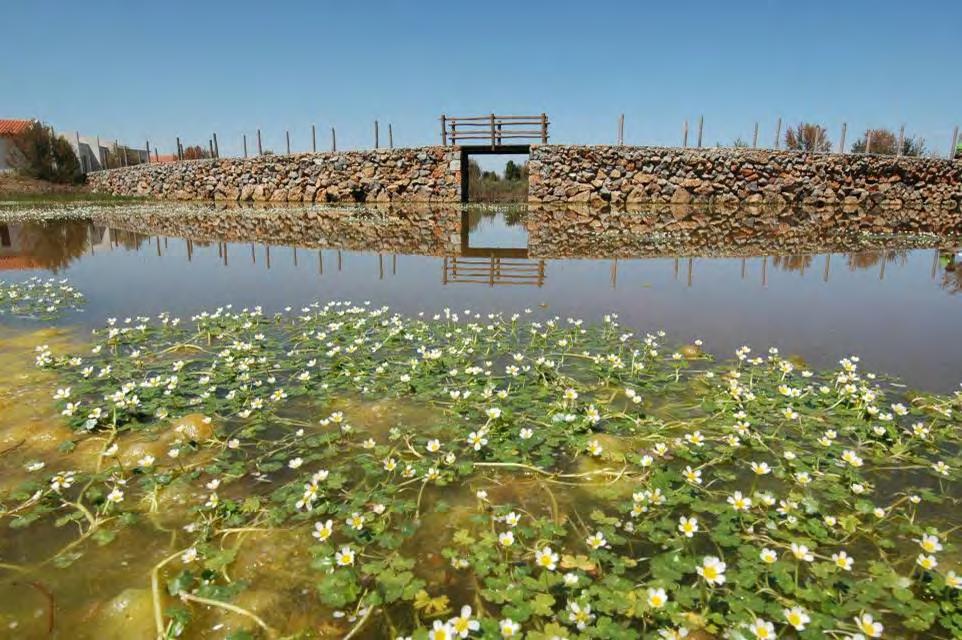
{"x":897,"y":308}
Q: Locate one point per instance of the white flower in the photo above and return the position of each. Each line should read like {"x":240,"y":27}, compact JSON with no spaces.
{"x":509,"y":628}
{"x":739,"y":502}
{"x":344,"y":556}
{"x":768,"y":556}
{"x":461,"y":625}
{"x":763,"y":629}
{"x":295,"y":463}
{"x":546,"y":558}
{"x":930,"y":543}
{"x":657,"y":598}
{"x":801,"y":552}
{"x":688,"y":526}
{"x":506,"y":539}
{"x":493,"y":413}
{"x":323,"y":530}
{"x":797,"y":618}
{"x":712,"y":570}
{"x":867,"y":625}
{"x":927,"y":562}
{"x":116,"y":496}
{"x":596,"y":540}
{"x":843,"y":561}
{"x":580,"y":614}
{"x":189,"y":555}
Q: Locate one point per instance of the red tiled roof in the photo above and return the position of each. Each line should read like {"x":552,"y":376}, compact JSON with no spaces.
{"x":13,"y":127}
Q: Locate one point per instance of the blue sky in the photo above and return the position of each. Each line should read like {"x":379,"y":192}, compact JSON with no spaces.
{"x":136,"y":70}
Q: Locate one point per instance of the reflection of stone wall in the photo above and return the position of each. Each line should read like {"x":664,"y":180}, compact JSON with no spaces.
{"x":582,"y":231}
{"x":623,"y":175}
{"x":423,"y":230}
{"x":412,"y":175}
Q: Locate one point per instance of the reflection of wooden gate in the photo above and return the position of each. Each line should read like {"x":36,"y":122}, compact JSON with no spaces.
{"x":493,"y":270}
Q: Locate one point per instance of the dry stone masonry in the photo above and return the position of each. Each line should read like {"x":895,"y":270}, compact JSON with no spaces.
{"x":619,"y":175}
{"x":430,"y":174}
{"x":613,"y":176}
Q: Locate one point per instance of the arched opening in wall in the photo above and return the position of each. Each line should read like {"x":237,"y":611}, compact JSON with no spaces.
{"x":494,"y":175}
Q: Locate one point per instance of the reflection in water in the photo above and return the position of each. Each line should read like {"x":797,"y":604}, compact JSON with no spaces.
{"x":813,"y":292}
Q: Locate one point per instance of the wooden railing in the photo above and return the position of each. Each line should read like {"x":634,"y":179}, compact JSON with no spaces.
{"x":493,"y":271}
{"x":494,"y":129}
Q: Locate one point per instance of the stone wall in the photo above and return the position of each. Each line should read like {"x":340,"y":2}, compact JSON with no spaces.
{"x":594,"y":175}
{"x":619,"y":175}
{"x":427,"y":174}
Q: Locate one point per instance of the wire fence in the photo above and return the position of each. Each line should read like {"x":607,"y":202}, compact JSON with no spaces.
{"x":801,"y":137}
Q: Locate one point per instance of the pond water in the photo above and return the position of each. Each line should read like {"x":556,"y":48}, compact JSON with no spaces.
{"x":200,"y":436}
{"x":896,"y":306}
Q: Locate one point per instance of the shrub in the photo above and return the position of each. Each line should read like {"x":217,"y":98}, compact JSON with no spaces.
{"x":40,"y":153}
{"x":806,"y":136}
{"x":885,"y":143}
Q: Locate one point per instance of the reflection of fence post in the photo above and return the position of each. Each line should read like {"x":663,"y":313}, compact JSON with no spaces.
{"x":701,"y":122}
{"x":755,"y":136}
{"x":898,"y":151}
{"x":778,"y":132}
{"x":841,"y":142}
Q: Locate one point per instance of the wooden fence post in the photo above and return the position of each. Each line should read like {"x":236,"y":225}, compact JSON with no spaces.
{"x":180,"y":150}
{"x":210,"y":143}
{"x":148,"y":149}
{"x":492,"y":132}
{"x":955,"y":142}
{"x":376,"y":141}
{"x":333,"y":140}
{"x":245,"y":145}
{"x":544,"y":128}
{"x":701,"y":122}
{"x":898,"y":151}
{"x":216,"y":146}
{"x":287,"y":134}
{"x":868,"y":142}
{"x":313,"y":138}
{"x":156,"y":155}
{"x":390,"y":136}
{"x":444,"y":131}
{"x":621,"y":130}
{"x":260,"y":149}
{"x":841,"y":142}
{"x":755,"y":136}
{"x":684,"y":135}
{"x":778,"y":132}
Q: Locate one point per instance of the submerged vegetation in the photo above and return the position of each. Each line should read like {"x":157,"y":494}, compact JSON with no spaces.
{"x":343,"y":471}
{"x":38,"y":298}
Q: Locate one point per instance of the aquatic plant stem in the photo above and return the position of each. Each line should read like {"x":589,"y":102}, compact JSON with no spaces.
{"x":232,"y":608}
